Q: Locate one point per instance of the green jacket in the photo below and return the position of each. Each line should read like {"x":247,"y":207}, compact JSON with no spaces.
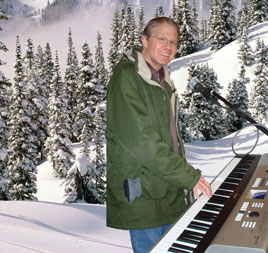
{"x":139,"y":144}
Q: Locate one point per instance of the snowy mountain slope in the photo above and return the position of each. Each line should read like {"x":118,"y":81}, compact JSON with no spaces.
{"x":225,"y":61}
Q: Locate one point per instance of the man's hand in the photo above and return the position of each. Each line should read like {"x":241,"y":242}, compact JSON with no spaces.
{"x":204,"y":187}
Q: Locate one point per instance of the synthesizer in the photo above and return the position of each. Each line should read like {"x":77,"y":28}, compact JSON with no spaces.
{"x":234,"y":219}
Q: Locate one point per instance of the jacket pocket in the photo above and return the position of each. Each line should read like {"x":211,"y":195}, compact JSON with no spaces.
{"x":152,"y":186}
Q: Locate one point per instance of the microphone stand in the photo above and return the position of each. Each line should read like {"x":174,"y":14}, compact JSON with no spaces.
{"x":240,"y":113}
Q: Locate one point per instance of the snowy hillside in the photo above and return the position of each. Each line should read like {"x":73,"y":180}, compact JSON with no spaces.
{"x":225,"y":61}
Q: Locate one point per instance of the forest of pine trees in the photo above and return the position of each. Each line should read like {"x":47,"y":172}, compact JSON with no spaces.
{"x":44,"y":111}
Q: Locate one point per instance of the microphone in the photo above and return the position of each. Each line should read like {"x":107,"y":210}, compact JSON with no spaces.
{"x":208,"y":93}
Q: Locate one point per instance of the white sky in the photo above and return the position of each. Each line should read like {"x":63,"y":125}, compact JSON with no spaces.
{"x":48,"y":225}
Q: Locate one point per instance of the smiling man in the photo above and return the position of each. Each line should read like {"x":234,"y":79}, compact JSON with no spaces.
{"x":147,"y":173}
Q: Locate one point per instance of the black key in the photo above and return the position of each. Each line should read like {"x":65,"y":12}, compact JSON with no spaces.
{"x":212,"y":207}
{"x":181,"y":246}
{"x":193,"y":234}
{"x":227,"y":186}
{"x":198,"y":226}
{"x":224,"y":193}
{"x":240,"y":170}
{"x":232,"y":180}
{"x":177,"y":250}
{"x":190,"y":236}
{"x":204,"y":217}
{"x":217,"y":200}
{"x":188,"y":240}
{"x":236,"y":175}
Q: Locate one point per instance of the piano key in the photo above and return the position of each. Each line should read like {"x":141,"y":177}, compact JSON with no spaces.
{"x":177,"y":250}
{"x":236,"y":175}
{"x":226,"y":186}
{"x":218,"y":200}
{"x":181,"y":246}
{"x":223,"y":193}
{"x":192,"y":235}
{"x":212,"y":208}
{"x":201,"y":228}
{"x":232,"y":180}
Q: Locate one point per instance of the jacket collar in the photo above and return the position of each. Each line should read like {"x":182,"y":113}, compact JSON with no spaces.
{"x":145,"y":72}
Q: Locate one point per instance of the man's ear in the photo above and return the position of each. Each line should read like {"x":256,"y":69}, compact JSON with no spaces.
{"x":144,"y":41}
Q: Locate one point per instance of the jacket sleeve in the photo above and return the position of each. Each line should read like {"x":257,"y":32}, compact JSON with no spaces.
{"x":128,"y":118}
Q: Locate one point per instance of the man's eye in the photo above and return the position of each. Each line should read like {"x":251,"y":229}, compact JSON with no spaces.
{"x":173,"y":43}
{"x":162,"y":39}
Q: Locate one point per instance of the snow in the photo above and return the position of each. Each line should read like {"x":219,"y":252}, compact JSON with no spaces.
{"x":49,"y":225}
{"x":36,"y":4}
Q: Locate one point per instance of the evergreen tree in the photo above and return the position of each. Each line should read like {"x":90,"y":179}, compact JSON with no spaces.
{"x":127,"y":36}
{"x":245,"y":52}
{"x":259,"y":93}
{"x":86,"y":99}
{"x":237,"y":95}
{"x":183,"y":119}
{"x":100,"y":73}
{"x":78,"y":176}
{"x":258,"y":12}
{"x":195,"y":21}
{"x":188,"y":41}
{"x":177,"y":12}
{"x":161,"y":12}
{"x":71,"y":80}
{"x":58,"y":143}
{"x":243,"y":20}
{"x":4,"y":116}
{"x":222,"y":23}
{"x":98,"y":167}
{"x":140,"y":28}
{"x":204,"y":31}
{"x":22,"y":149}
{"x":211,"y":124}
{"x":113,"y":54}
{"x":40,"y":94}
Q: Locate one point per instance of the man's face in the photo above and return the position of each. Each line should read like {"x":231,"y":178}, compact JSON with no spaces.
{"x":160,"y":48}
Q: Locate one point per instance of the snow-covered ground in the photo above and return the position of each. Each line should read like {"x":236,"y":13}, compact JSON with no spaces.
{"x":49,"y":225}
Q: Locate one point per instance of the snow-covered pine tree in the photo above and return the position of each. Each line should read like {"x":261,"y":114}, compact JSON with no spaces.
{"x":183,"y":119}
{"x":35,"y":87}
{"x":4,"y":116}
{"x":127,"y":36}
{"x":41,"y":101}
{"x":71,"y":80}
{"x":86,"y":98}
{"x":243,"y":20}
{"x":140,"y":28}
{"x":222,"y":23}
{"x":161,"y":12}
{"x":177,"y":12}
{"x":100,"y":73}
{"x":258,"y":103}
{"x":113,"y":54}
{"x":78,"y":176}
{"x":245,"y":52}
{"x":204,"y":33}
{"x":237,"y":95}
{"x":188,"y":41}
{"x":22,"y":148}
{"x":156,"y":12}
{"x":58,"y":144}
{"x":195,"y":22}
{"x":98,"y":180}
{"x":206,"y":120}
{"x":258,"y":12}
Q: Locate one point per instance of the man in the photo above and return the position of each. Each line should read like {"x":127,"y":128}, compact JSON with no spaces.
{"x":147,"y":174}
